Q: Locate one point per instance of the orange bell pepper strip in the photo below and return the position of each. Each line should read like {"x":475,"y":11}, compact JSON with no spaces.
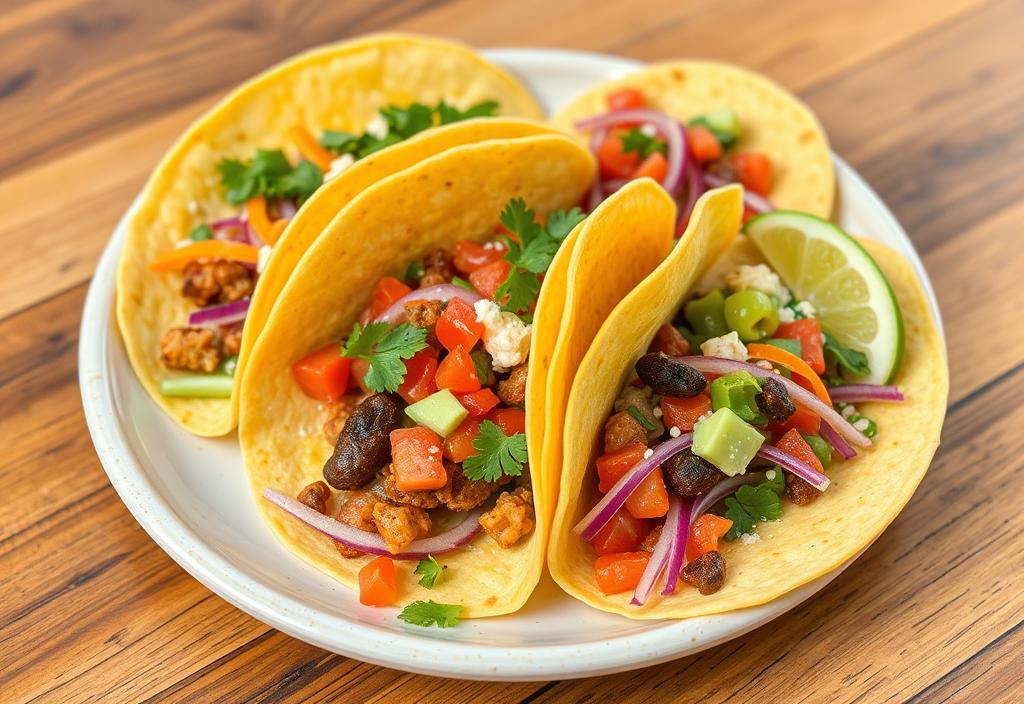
{"x":790,"y":361}
{"x":221,"y":249}
{"x":256,"y":208}
{"x":275,"y":231}
{"x":310,"y":148}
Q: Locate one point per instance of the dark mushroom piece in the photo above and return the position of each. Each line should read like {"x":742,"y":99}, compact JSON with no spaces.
{"x":707,"y":572}
{"x":690,"y":475}
{"x":774,"y":400}
{"x":670,"y":377}
{"x":364,"y":444}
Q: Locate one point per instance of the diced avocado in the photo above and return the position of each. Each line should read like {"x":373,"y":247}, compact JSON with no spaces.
{"x":822,"y":449}
{"x":736,"y":391}
{"x":724,"y":124}
{"x":198,"y":386}
{"x":726,"y":441}
{"x":792,"y":346}
{"x":441,"y":412}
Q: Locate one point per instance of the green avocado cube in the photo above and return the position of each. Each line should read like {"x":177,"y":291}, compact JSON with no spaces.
{"x":726,"y":441}
{"x":737,"y":391}
{"x":441,"y":412}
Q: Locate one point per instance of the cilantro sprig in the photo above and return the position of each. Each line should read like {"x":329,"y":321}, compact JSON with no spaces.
{"x":532,"y":253}
{"x":497,"y":455}
{"x":431,"y":571}
{"x":270,"y":174}
{"x":854,"y":361}
{"x":752,"y":504}
{"x":430,"y":613}
{"x":643,"y":144}
{"x":384,"y":348}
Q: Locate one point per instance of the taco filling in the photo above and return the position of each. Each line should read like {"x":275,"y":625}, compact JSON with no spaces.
{"x":220,"y":262}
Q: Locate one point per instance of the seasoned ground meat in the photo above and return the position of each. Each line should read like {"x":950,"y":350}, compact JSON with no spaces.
{"x":707,"y":572}
{"x":438,"y":265}
{"x":670,"y":341}
{"x":511,"y":518}
{"x":512,"y":391}
{"x":424,"y":314}
{"x":209,"y":281}
{"x":622,"y":429}
{"x":648,"y":543}
{"x":315,"y":496}
{"x":463,"y":494}
{"x":191,"y":349}
{"x":774,"y":400}
{"x":690,"y":475}
{"x":641,"y":398}
{"x":356,"y":510}
{"x":337,"y":413}
{"x":400,"y":525}
{"x":799,"y":491}
{"x":231,"y":339}
{"x":419,"y":499}
{"x":432,"y":280}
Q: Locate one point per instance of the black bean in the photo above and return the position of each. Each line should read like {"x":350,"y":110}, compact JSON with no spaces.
{"x":670,"y":377}
{"x":774,"y":400}
{"x":364,"y":444}
{"x":690,"y":475}
{"x":707,"y":572}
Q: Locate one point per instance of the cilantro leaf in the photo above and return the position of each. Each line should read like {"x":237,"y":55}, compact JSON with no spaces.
{"x":854,"y":361}
{"x":640,"y":418}
{"x":431,"y":570}
{"x":384,"y":349}
{"x":200,"y":233}
{"x":522,"y":221}
{"x":749,"y":505}
{"x":300,"y":183}
{"x":405,"y":122}
{"x":430,"y":613}
{"x":338,"y":140}
{"x":269,"y":173}
{"x":636,"y":141}
{"x":448,"y":114}
{"x":497,"y":454}
{"x":561,"y":222}
{"x":518,"y":291}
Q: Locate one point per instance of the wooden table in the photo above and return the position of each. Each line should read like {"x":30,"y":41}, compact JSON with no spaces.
{"x":927,"y":104}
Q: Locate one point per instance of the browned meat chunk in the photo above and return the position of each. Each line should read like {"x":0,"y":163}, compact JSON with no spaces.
{"x":438,"y":265}
{"x":400,"y":525}
{"x":209,"y":281}
{"x":463,"y":494}
{"x":648,"y":543}
{"x":419,"y":499}
{"x":191,"y":349}
{"x":356,"y":510}
{"x":364,"y":443}
{"x":337,"y":414}
{"x":424,"y":314}
{"x":707,"y":572}
{"x":315,"y":496}
{"x":774,"y":400}
{"x":799,"y":491}
{"x":231,"y":339}
{"x":511,"y":518}
{"x":622,"y":429}
{"x":670,"y":341}
{"x":432,"y":280}
{"x":690,"y":475}
{"x":512,"y":391}
{"x":641,"y":398}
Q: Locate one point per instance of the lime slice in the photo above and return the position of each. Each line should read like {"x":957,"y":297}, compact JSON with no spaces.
{"x":851,"y":296}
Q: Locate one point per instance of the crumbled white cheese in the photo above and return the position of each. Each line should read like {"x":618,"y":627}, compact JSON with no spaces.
{"x":786,"y":315}
{"x":806,"y":309}
{"x":339,"y":165}
{"x":674,"y":432}
{"x":848,"y":410}
{"x":765,"y":364}
{"x":657,"y":412}
{"x":750,"y":538}
{"x":648,"y":453}
{"x":760,"y":278}
{"x":506,"y":337}
{"x":770,"y":475}
{"x":262,"y":257}
{"x":377,"y":127}
{"x":861,"y":424}
{"x":649,"y":130}
{"x":726,"y":346}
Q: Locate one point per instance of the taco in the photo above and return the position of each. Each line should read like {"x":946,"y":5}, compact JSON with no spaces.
{"x":246,"y":189}
{"x":695,"y":125}
{"x":386,"y":404}
{"x":723,"y":476}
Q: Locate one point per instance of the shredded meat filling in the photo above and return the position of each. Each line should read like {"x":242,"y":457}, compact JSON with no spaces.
{"x":417,"y":499}
{"x":190,"y":349}
{"x":424,"y":314}
{"x":210,"y":281}
{"x":511,"y":518}
{"x":356,"y":510}
{"x":622,"y":429}
{"x":512,"y":391}
{"x":642,"y":399}
{"x":315,"y":496}
{"x":400,"y":525}
{"x":231,"y":339}
{"x":464,"y":494}
{"x":337,"y":414}
{"x":437,"y":265}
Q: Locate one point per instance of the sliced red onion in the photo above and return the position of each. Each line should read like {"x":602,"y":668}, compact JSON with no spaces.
{"x":286,"y":208}
{"x":251,"y":236}
{"x":754,"y":201}
{"x":224,"y":314}
{"x":836,"y":441}
{"x":795,"y":465}
{"x":659,"y":556}
{"x":695,"y":188}
{"x":441,"y":292}
{"x":611,"y":502}
{"x":613,"y":184}
{"x":224,"y":223}
{"x":718,"y":365}
{"x":672,"y":131}
{"x":372,"y":543}
{"x":681,"y":534}
{"x":854,"y":393}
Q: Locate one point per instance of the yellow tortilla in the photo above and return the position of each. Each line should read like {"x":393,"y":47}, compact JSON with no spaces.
{"x":774,"y":122}
{"x":866,"y":493}
{"x":340,"y":87}
{"x":454,"y":195}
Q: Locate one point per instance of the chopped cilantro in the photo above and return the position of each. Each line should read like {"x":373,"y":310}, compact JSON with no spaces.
{"x":459,"y":281}
{"x":853,"y":361}
{"x":751,"y":504}
{"x":644,"y":145}
{"x":430,"y":613}
{"x":497,"y":455}
{"x":384,"y":349}
{"x":561,"y":222}
{"x":635,"y":412}
{"x":431,"y":570}
{"x":200,"y":233}
{"x":448,"y":114}
{"x":268,"y":174}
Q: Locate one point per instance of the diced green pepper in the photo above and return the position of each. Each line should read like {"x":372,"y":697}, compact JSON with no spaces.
{"x":752,"y":314}
{"x":737,"y":391}
{"x":441,"y":412}
{"x":198,"y":386}
{"x":706,"y":315}
{"x":822,"y":449}
{"x":200,"y":233}
{"x":726,"y":441}
{"x":792,"y":346}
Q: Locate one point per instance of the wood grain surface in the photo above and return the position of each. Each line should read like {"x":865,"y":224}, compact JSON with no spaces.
{"x":926,"y":100}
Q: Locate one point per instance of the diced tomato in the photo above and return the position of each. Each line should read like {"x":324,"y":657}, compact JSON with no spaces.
{"x":748,"y":214}
{"x":458,"y":326}
{"x":459,"y":445}
{"x":703,"y":144}
{"x":360,"y":368}
{"x":650,"y":499}
{"x":620,"y":571}
{"x":613,"y":162}
{"x":621,"y":534}
{"x":478,"y":403}
{"x":808,"y":331}
{"x":705,"y":533}
{"x":804,"y":420}
{"x":654,"y":166}
{"x":510,"y":420}
{"x":612,"y":466}
{"x":683,"y":413}
{"x":794,"y":443}
{"x":755,"y":171}
{"x":378,"y":585}
{"x":488,"y":278}
{"x":670,"y":341}
{"x":323,"y":374}
{"x":470,"y":256}
{"x":387,"y":291}
{"x":416,"y":459}
{"x":625,"y":99}
{"x":419,"y":376}
{"x":457,"y":372}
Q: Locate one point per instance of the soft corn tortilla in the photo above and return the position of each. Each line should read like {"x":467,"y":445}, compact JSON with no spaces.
{"x":341,"y":86}
{"x":454,"y":195}
{"x":866,"y":493}
{"x":775,"y":122}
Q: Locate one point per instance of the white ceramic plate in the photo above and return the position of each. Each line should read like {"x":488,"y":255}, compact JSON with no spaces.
{"x":192,"y":497}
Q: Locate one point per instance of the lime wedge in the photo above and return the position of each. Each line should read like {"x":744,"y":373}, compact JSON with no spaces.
{"x":822,"y":264}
